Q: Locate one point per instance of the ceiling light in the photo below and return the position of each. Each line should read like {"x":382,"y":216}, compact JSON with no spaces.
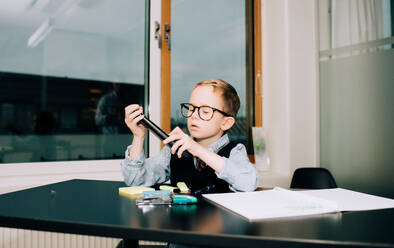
{"x":40,"y":33}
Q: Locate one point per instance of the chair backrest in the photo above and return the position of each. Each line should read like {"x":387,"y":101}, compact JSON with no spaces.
{"x":312,"y":178}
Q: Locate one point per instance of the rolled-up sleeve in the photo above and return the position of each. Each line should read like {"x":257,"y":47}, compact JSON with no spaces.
{"x":238,"y":171}
{"x":146,"y":171}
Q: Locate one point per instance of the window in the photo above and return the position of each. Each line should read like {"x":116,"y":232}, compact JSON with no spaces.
{"x":67,"y":69}
{"x":205,"y":44}
{"x":61,"y":63}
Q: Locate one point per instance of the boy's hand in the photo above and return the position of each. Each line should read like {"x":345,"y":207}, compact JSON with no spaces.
{"x":133,"y":114}
{"x":182,"y":142}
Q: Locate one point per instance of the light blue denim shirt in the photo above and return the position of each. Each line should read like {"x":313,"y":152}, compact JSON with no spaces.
{"x":237,"y":171}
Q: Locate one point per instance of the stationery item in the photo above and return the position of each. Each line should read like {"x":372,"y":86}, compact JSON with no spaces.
{"x":184,"y":199}
{"x":154,"y":199}
{"x":183,"y":188}
{"x":280,"y":202}
{"x":155,"y":193}
{"x":349,"y":200}
{"x":160,"y":198}
{"x":167,"y":187}
{"x":271,"y":204}
{"x":206,"y":190}
{"x":160,"y":133}
{"x":133,"y":191}
{"x":154,"y":128}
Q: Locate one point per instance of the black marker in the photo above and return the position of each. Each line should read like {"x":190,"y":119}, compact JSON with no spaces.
{"x":161,"y":134}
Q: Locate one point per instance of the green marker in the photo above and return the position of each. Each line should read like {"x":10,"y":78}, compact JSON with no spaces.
{"x":184,"y":199}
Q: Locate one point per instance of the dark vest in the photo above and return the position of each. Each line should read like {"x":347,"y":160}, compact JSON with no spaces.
{"x":183,"y":170}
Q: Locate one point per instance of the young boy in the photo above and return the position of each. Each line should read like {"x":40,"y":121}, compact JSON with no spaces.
{"x":216,"y":164}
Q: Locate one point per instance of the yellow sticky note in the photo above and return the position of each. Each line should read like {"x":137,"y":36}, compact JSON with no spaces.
{"x":133,"y":191}
{"x":167,"y":187}
{"x":182,"y":187}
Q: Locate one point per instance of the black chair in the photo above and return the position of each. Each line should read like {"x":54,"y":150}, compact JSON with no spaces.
{"x":312,"y":178}
{"x":135,"y":243}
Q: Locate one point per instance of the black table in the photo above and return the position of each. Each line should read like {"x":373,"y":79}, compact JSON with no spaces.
{"x":95,"y":208}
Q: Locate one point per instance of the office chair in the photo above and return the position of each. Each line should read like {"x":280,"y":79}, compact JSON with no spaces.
{"x":141,"y":244}
{"x":312,"y":178}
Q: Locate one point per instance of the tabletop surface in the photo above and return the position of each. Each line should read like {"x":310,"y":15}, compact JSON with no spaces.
{"x":95,"y":208}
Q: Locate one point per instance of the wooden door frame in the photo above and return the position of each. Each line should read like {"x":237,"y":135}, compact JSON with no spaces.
{"x":165,"y":69}
{"x":258,"y":67}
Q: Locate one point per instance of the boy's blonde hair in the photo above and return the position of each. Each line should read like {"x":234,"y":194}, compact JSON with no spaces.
{"x":229,"y":94}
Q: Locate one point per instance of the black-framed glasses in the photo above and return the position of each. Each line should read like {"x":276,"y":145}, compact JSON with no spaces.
{"x":204,"y":112}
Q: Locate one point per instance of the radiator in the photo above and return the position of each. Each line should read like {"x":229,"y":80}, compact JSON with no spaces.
{"x":20,"y":238}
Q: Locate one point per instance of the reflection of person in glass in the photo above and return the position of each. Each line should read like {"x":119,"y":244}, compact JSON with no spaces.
{"x":109,"y":118}
{"x":109,"y":109}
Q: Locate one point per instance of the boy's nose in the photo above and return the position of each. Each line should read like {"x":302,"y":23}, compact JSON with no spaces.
{"x":195,"y":114}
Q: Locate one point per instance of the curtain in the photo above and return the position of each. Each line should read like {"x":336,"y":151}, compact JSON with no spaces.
{"x":358,"y":21}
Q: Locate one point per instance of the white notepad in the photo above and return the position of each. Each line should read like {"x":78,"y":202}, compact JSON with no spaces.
{"x":349,"y":200}
{"x":280,"y":202}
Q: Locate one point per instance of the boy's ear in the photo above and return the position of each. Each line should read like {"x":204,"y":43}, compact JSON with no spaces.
{"x":228,"y":123}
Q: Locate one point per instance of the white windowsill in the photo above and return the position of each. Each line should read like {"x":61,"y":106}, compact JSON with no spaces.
{"x":26,"y":175}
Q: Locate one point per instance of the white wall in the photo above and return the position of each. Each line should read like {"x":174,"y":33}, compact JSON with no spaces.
{"x":155,"y":78}
{"x":290,"y":87}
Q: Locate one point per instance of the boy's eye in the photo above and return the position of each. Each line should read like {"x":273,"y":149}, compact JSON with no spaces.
{"x":206,"y":110}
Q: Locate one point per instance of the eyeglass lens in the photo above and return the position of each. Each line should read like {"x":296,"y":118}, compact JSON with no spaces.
{"x":204,"y":112}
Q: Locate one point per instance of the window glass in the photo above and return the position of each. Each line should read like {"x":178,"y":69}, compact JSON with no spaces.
{"x":67,"y":70}
{"x":208,"y":41}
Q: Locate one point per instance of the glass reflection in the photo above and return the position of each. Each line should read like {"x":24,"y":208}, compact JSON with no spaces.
{"x":51,"y":118}
{"x":57,"y":60}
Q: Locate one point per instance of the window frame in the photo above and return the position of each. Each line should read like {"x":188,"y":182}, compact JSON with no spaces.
{"x":254,"y":105}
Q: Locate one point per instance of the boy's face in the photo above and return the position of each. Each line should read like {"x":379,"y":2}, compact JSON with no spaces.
{"x":207,"y":131}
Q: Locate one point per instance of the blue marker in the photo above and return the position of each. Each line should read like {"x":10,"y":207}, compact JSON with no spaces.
{"x":204,"y":190}
{"x":155,"y":193}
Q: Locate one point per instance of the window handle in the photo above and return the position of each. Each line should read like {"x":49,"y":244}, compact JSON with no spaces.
{"x":157,"y":34}
{"x":167,"y":34}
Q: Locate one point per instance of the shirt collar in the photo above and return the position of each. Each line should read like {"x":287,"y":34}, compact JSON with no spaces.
{"x":219,"y":144}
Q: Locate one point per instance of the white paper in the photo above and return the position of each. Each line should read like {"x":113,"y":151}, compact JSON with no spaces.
{"x":349,"y":200}
{"x":280,"y":202}
{"x":272,"y":204}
